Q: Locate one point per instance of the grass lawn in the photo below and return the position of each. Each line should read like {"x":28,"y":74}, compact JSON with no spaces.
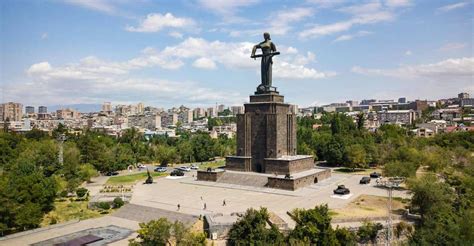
{"x":368,"y":206}
{"x":67,"y":210}
{"x":132,"y":178}
{"x":214,"y":164}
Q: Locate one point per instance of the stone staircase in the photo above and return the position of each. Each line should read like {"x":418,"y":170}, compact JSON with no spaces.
{"x":246,"y":179}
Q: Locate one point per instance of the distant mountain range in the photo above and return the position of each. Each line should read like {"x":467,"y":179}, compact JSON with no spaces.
{"x":83,"y":108}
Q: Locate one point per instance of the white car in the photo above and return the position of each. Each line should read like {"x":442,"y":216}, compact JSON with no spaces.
{"x":194,"y":167}
{"x":184,"y":169}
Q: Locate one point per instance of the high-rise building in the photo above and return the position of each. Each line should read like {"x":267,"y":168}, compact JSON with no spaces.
{"x":42,"y":110}
{"x":67,"y":113}
{"x":352,"y":103}
{"x":107,"y":108}
{"x":402,"y":100}
{"x":220,"y":108}
{"x":11,"y":111}
{"x":29,"y":110}
{"x":140,"y":108}
{"x":211,"y":112}
{"x":199,"y":113}
{"x":463,"y":95}
{"x":237,"y":110}
{"x":367,"y":101}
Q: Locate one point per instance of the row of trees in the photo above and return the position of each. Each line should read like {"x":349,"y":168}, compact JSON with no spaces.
{"x":32,"y":176}
{"x":313,"y":227}
{"x":340,"y":141}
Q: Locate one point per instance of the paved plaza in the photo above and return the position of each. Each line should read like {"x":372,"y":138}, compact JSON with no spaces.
{"x":161,"y":199}
{"x":192,"y":195}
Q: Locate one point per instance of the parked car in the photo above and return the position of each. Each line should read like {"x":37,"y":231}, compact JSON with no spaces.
{"x":160,"y":169}
{"x":364,"y":180}
{"x":194,"y":167}
{"x":177,"y":172}
{"x":140,"y":166}
{"x":341,"y":190}
{"x":112,"y":173}
{"x":375,"y":175}
{"x":184,"y":169}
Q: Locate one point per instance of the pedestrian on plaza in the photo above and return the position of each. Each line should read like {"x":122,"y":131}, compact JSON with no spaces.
{"x":223,"y":203}
{"x":201,"y":198}
{"x":179,"y":206}
{"x":205,"y":206}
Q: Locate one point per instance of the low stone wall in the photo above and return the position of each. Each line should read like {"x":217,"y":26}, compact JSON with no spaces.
{"x":283,"y":166}
{"x":238,"y":163}
{"x":212,"y":176}
{"x":299,"y":182}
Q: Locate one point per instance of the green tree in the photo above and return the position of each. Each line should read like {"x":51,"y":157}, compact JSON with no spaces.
{"x":368,"y":231}
{"x":313,"y":226}
{"x":356,"y":156}
{"x":202,"y":147}
{"x":251,"y":229}
{"x":162,"y":232}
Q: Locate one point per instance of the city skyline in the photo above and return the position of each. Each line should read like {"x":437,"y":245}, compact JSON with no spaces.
{"x":198,"y":53}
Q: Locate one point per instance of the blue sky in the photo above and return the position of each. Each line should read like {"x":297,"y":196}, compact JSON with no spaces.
{"x":196,"y":53}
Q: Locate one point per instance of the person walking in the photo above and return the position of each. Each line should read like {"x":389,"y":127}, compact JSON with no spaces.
{"x":205,"y":206}
{"x":223,"y":203}
{"x":179,"y":206}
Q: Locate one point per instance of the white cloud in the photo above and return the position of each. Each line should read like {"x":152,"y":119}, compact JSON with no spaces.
{"x":452,"y":46}
{"x":98,"y":5}
{"x":176,"y":35}
{"x":155,"y":22}
{"x":453,"y":6}
{"x":362,"y":14}
{"x":93,"y":80}
{"x":326,"y":3}
{"x":41,"y":67}
{"x":285,"y":70}
{"x":225,"y":7}
{"x":204,"y":63}
{"x":398,"y":3}
{"x":348,"y":37}
{"x":291,"y":50}
{"x":408,"y":53}
{"x":459,"y":69}
{"x":279,"y":23}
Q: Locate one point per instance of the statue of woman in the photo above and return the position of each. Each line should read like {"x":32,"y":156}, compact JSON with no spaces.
{"x":268,"y":50}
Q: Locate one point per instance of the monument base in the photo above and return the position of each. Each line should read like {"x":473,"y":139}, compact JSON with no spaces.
{"x":265,"y":180}
{"x":299,"y":180}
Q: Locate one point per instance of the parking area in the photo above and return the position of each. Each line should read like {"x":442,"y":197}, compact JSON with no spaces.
{"x":197,"y":198}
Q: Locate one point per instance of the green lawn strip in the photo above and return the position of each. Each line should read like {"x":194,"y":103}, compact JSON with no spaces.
{"x":132,"y":178}
{"x":360,"y":171}
{"x":66,"y":210}
{"x":214,"y":164}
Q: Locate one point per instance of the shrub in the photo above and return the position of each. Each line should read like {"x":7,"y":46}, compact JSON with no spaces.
{"x":118,"y":202}
{"x":81,"y":192}
{"x":368,"y":231}
{"x":103,"y":205}
{"x":63,"y":193}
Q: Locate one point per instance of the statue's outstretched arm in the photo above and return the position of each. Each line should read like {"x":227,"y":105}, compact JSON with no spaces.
{"x":254,"y":50}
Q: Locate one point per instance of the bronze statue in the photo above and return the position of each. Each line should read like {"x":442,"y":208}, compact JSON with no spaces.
{"x":268,"y":51}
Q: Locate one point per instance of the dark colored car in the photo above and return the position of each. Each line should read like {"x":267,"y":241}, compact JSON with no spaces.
{"x":112,"y":173}
{"x":177,"y":172}
{"x":341,"y":190}
{"x":364,"y":180}
{"x":375,"y":175}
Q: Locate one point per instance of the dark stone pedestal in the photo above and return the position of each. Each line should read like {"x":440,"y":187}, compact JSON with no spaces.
{"x":266,"y":143}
